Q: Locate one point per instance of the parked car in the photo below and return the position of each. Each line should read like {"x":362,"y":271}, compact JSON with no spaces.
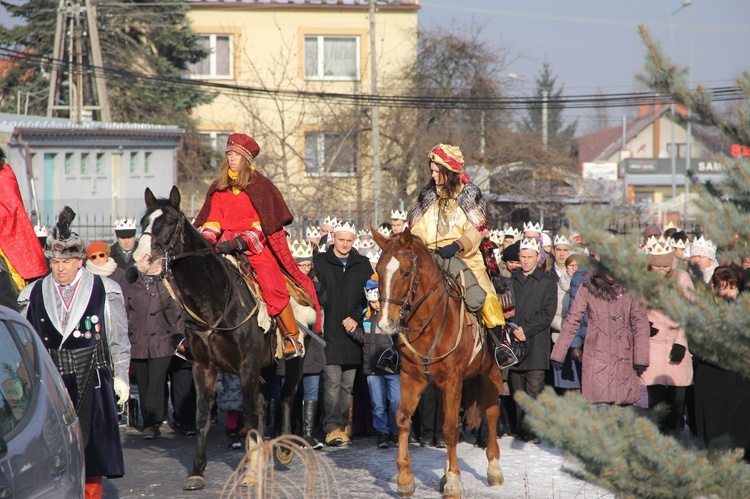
{"x":41,"y":444}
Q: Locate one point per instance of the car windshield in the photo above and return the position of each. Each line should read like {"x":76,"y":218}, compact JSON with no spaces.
{"x":16,"y":382}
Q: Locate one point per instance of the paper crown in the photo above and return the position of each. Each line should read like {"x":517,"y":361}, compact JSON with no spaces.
{"x":312,"y":231}
{"x":511,"y":232}
{"x":561,"y":239}
{"x":677,"y":243}
{"x":356,"y":244}
{"x":330,"y":221}
{"x":496,"y":236}
{"x":40,"y":230}
{"x":374,"y":255}
{"x":364,"y":232}
{"x":531,"y":226}
{"x":125,"y":224}
{"x":670,"y":225}
{"x":576,"y":238}
{"x":365,"y":245}
{"x":385,"y":231}
{"x":703,"y":247}
{"x":398,"y":215}
{"x":657,"y":247}
{"x":301,"y":249}
{"x":529,"y":244}
{"x":344,"y":227}
{"x":371,"y":289}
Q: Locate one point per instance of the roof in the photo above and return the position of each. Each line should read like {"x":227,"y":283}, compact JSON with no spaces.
{"x":10,"y":123}
{"x":388,"y":4}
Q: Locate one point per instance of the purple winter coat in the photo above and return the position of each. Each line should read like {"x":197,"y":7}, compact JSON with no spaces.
{"x":153,"y":318}
{"x":616,"y":341}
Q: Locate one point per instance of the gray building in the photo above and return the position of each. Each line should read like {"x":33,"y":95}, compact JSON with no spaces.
{"x":101,"y":170}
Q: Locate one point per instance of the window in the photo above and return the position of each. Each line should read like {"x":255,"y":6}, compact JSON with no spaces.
{"x":681,"y":150}
{"x":147,"y":163}
{"x":644,"y":197}
{"x":218,"y":63}
{"x":218,"y":142}
{"x":99,"y":163}
{"x":332,"y":57}
{"x":68,"y":163}
{"x":331,"y":154}
{"x":133,"y":158}
{"x":85,"y":158}
{"x":16,"y":382}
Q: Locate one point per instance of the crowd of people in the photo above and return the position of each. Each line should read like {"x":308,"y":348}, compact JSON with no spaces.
{"x":552,"y":316}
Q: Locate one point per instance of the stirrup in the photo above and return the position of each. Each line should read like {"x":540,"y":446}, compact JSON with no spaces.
{"x":296,"y":344}
{"x":508,"y":357}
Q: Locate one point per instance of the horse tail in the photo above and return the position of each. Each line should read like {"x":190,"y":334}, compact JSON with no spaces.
{"x":473,"y":402}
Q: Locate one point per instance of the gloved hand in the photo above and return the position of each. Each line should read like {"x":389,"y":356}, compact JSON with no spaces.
{"x":131,"y":274}
{"x":236,"y":244}
{"x":640,"y":370}
{"x":576,"y":353}
{"x":555,"y":365}
{"x":122,"y":391}
{"x":677,"y":353}
{"x":448,"y":251}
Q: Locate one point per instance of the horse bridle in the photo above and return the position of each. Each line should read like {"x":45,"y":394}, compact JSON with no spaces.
{"x":168,"y":278}
{"x":408,"y":309}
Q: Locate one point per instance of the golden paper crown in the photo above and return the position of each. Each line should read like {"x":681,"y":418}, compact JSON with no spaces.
{"x":301,"y":249}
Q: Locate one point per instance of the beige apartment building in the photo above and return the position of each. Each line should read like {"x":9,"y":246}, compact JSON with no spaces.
{"x":285,"y":72}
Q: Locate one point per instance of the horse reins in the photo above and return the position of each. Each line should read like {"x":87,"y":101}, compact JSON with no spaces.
{"x":408,"y":308}
{"x":168,"y":279}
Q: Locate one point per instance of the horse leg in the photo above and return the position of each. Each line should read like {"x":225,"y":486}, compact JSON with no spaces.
{"x":450,"y":394}
{"x":411,"y":390}
{"x":204,"y":375}
{"x":493,"y":384}
{"x":292,"y":378}
{"x":253,"y":409}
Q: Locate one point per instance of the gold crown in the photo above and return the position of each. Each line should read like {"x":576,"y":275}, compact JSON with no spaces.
{"x":398,"y":215}
{"x":301,"y":249}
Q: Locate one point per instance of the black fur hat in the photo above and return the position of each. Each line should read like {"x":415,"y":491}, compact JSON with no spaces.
{"x":61,"y":241}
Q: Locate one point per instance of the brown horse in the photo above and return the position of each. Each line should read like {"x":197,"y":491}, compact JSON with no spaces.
{"x":436,"y":343}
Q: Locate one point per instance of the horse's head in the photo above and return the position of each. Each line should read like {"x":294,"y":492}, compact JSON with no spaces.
{"x":398,"y":276}
{"x":161,"y":229}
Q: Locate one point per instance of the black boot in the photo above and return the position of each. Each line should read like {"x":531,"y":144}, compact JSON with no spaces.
{"x":309,"y":410}
{"x":504,"y":356}
{"x":272,"y":416}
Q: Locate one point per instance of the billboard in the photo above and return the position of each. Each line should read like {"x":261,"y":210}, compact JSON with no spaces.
{"x":599,"y":171}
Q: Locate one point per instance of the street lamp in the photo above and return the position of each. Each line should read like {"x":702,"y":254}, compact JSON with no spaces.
{"x":685,"y":3}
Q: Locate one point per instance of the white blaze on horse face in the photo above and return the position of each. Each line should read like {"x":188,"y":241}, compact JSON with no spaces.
{"x":390,"y":270}
{"x":142,"y":254}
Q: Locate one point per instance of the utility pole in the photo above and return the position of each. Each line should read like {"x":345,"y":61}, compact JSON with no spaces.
{"x":77,"y":41}
{"x":545,"y":116}
{"x":375,"y":132}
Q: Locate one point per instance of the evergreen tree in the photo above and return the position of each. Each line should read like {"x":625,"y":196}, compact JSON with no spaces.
{"x":558,"y":136}
{"x":621,"y":450}
{"x":136,"y":37}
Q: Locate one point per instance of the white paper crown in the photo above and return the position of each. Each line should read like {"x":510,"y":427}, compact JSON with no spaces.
{"x":703,"y":247}
{"x":533,"y":227}
{"x":385,"y":231}
{"x":496,"y":236}
{"x":658,"y":246}
{"x":679,"y":244}
{"x":312,"y":231}
{"x":40,"y":230}
{"x":670,"y":225}
{"x":364,"y":232}
{"x":345,"y":227}
{"x":356,"y":244}
{"x":530,"y":244}
{"x":511,"y":232}
{"x":365,"y":245}
{"x":301,"y":249}
{"x":398,"y":215}
{"x":125,"y":224}
{"x":374,"y":255}
{"x":372,"y":294}
{"x":561,"y":239}
{"x":330,"y":221}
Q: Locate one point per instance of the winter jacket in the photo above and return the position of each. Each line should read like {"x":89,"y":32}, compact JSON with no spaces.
{"x":374,"y":343}
{"x":617,"y":340}
{"x":153,"y":318}
{"x":535,"y":297}
{"x":229,"y":392}
{"x":315,"y":355}
{"x":575,"y":284}
{"x":666,"y":333}
{"x":563,"y":300}
{"x":345,"y":288}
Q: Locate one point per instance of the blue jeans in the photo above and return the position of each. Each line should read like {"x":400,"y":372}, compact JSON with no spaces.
{"x":384,"y":388}
{"x":310,"y":385}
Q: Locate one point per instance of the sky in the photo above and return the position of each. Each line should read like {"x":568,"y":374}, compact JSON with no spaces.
{"x":595,"y":43}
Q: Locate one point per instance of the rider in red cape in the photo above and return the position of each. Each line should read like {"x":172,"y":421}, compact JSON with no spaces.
{"x":18,"y":242}
{"x":245,"y":212}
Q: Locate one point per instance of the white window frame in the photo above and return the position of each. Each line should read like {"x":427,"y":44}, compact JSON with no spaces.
{"x":212,"y":59}
{"x":320,"y":73}
{"x":320,"y":171}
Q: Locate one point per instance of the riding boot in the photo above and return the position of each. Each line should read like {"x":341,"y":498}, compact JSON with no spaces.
{"x":288,"y":325}
{"x":504,"y":356}
{"x":309,"y":410}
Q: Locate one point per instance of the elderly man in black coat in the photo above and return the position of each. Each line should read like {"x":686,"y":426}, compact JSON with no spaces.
{"x":343,"y":273}
{"x":535,"y":295}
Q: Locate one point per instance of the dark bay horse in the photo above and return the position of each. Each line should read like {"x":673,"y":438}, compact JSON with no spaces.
{"x":436,"y":343}
{"x":221,"y":322}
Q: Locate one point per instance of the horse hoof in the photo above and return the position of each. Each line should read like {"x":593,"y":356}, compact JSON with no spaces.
{"x":450,"y":486}
{"x":195,"y":482}
{"x":284,"y":455}
{"x":249,"y":480}
{"x":406,"y":490}
{"x":495,"y":477}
